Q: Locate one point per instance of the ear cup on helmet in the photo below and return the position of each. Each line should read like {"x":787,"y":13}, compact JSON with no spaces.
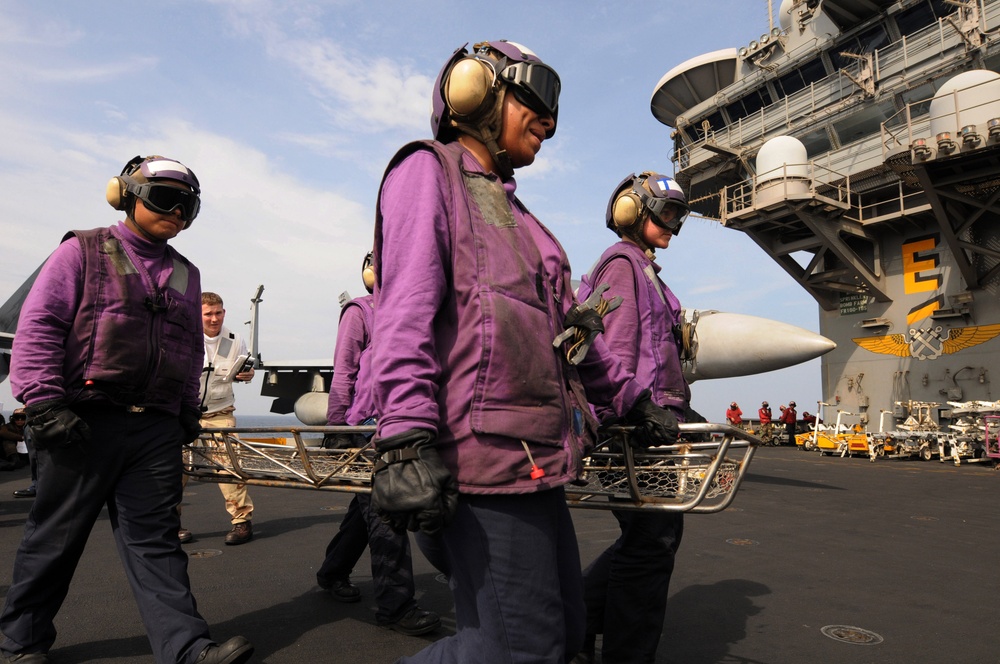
{"x":627,"y":210}
{"x":469,"y":88}
{"x":116,"y":193}
{"x":368,"y":272}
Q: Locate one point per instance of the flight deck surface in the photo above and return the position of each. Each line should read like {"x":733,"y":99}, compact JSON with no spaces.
{"x":819,"y":559}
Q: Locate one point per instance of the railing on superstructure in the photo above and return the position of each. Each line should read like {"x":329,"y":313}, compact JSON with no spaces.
{"x":823,"y":185}
{"x":914,"y":121}
{"x":917,"y":57}
{"x":830,"y":188}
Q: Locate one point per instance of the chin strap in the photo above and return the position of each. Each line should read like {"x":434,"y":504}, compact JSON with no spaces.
{"x":501,"y":160}
{"x":635,"y":235}
{"x":487,"y":130}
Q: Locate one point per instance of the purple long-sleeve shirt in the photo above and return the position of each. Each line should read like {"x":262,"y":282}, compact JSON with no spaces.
{"x":622,"y":330}
{"x":353,"y":337}
{"x":641,"y":332}
{"x":37,"y":360}
{"x":416,"y":297}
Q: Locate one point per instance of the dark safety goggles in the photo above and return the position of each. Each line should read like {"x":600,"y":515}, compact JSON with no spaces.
{"x":164,"y":198}
{"x":537,"y":83}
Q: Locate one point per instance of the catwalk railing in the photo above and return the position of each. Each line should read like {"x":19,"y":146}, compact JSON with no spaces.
{"x":700,"y":477}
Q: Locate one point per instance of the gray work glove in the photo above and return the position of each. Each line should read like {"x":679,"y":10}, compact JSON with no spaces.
{"x":53,"y":424}
{"x":190,"y":419}
{"x":653,"y":425}
{"x":411,"y":488}
{"x":583,"y":322}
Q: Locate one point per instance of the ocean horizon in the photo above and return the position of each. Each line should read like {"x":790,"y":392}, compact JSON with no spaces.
{"x":269,"y":420}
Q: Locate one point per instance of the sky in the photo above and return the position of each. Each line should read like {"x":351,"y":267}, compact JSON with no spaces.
{"x":288,"y":111}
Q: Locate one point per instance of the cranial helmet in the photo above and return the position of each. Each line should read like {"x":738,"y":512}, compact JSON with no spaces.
{"x":138,"y":179}
{"x":469,"y":90}
{"x":646,"y":193}
{"x":764,"y":404}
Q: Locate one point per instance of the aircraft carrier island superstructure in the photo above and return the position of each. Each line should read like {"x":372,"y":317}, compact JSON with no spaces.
{"x":857,"y":143}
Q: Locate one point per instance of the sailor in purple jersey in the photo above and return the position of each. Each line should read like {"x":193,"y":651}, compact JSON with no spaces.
{"x":626,"y":587}
{"x":107,"y":358}
{"x":350,"y":403}
{"x":482,"y":421}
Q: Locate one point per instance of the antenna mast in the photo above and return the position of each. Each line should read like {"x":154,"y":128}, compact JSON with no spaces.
{"x":253,"y":323}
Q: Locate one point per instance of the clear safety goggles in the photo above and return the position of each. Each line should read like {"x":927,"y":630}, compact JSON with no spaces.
{"x":663,"y":207}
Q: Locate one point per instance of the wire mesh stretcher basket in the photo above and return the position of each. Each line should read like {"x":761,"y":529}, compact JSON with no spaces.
{"x":686,"y":477}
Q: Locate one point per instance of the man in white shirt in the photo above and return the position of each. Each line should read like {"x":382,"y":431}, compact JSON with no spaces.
{"x":223,"y":350}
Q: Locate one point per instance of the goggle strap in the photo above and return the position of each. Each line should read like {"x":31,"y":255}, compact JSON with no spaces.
{"x":132,"y":165}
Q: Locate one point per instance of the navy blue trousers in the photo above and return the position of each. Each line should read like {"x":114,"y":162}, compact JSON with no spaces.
{"x":132,"y":465}
{"x":392,"y":565}
{"x":626,"y":587}
{"x":515,"y":575}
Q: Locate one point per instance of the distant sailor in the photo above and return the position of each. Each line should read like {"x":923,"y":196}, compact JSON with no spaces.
{"x":788,"y":416}
{"x":765,"y":417}
{"x":734,"y":415}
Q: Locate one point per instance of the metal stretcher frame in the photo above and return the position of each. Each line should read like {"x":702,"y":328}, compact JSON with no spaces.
{"x":698,"y":477}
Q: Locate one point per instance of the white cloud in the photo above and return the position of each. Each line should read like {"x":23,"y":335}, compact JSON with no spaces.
{"x":360,"y":91}
{"x":369,"y":94}
{"x":21,"y":31}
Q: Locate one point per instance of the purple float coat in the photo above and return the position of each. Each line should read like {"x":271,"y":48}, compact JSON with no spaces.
{"x":350,"y":388}
{"x":471,"y":291}
{"x":71,"y":330}
{"x":641,"y":332}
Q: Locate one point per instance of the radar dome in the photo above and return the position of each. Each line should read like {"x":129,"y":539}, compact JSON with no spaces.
{"x":977,"y":94}
{"x":782,"y":170}
{"x":785,"y":15}
{"x":782,"y":156}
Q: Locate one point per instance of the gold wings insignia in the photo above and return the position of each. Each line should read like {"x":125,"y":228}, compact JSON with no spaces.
{"x":888,"y":344}
{"x":960,"y":338}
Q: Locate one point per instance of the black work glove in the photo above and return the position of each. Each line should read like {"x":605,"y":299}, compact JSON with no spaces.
{"x":190,"y":420}
{"x":411,"y":488}
{"x":653,"y":425}
{"x":582,"y":325}
{"x":53,"y":424}
{"x":343,"y":441}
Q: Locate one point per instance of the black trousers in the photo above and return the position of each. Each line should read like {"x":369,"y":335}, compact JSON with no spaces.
{"x":392,"y":564}
{"x":626,"y":587}
{"x":132,"y":465}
